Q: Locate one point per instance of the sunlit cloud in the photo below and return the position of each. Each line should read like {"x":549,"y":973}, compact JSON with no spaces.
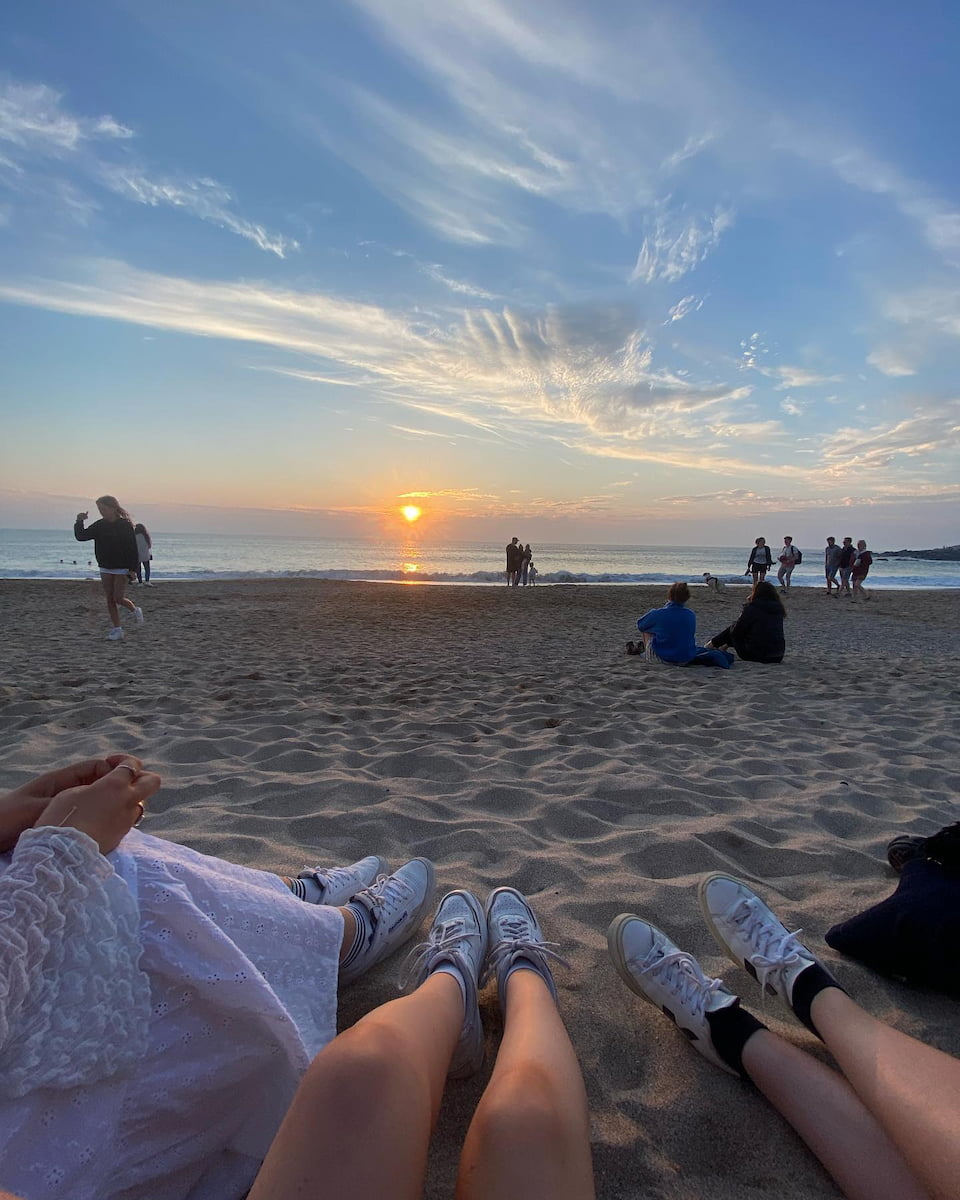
{"x":890,"y":361}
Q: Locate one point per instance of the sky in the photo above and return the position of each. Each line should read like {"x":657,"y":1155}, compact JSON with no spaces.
{"x":637,"y":273}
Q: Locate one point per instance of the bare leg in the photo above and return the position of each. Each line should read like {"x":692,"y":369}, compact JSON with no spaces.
{"x":831,"y":1119}
{"x":530,"y":1136}
{"x":120,"y":593}
{"x":912,"y":1089}
{"x":360,"y":1123}
{"x":106,"y":582}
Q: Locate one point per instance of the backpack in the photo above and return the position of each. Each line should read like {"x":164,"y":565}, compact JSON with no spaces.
{"x":799,"y":558}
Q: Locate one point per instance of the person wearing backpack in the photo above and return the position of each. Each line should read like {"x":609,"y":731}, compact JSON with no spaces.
{"x":790,"y":557}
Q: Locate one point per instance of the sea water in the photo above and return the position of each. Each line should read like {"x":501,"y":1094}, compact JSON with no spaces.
{"x":55,"y":554}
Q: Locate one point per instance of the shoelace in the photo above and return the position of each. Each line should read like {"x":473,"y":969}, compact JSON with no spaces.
{"x":443,"y":938}
{"x":515,"y":940}
{"x":777,"y":948}
{"x":385,"y":889}
{"x":682,"y":975}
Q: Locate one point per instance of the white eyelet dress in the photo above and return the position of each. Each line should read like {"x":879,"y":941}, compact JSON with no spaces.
{"x":157,"y":1011}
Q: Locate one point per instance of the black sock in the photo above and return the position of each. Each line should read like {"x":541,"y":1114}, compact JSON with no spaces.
{"x":806,"y":987}
{"x":731,"y":1028}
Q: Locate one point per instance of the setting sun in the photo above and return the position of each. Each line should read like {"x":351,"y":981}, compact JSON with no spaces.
{"x":411,"y":512}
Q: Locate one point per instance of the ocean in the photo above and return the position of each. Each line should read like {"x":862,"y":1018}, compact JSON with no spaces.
{"x":54,"y":554}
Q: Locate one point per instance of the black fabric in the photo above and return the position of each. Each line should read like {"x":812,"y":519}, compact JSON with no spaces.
{"x":914,"y":934}
{"x":806,"y":987}
{"x":757,"y":634}
{"x":114,"y":543}
{"x":730,"y":1030}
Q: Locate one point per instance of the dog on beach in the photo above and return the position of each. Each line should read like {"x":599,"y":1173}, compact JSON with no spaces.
{"x":714,"y":584}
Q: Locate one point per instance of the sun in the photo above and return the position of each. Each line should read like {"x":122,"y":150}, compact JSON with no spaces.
{"x":411,"y":513}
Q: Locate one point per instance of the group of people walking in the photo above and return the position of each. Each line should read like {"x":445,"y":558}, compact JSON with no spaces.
{"x":520,"y":568}
{"x":168,"y":1025}
{"x":123,"y":552}
{"x":851,"y":563}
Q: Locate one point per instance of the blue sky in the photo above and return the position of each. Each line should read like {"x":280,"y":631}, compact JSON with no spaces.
{"x":629,"y":272}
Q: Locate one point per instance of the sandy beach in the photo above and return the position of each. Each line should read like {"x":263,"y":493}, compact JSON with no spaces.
{"x":506,"y":735}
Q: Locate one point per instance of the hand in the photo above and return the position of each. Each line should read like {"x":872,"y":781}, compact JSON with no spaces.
{"x":22,"y":807}
{"x":82,"y":516}
{"x":107,"y":808}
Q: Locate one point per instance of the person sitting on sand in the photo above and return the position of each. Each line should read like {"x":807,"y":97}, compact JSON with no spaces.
{"x":668,"y":634}
{"x":757,"y":634}
{"x":361,"y":1122}
{"x":158,"y":1008}
{"x":888,"y":1128}
{"x":144,"y":988}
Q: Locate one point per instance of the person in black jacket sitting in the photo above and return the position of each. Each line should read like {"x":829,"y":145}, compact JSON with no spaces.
{"x":115,"y":546}
{"x":757,"y":634}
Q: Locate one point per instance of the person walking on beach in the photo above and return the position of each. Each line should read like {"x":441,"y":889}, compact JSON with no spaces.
{"x":514,"y":554}
{"x":533,"y":573}
{"x":790,"y":557}
{"x":144,"y":553}
{"x":847,"y":556}
{"x":115,"y":548}
{"x":760,"y":561}
{"x":525,"y":559}
{"x":831,"y":564}
{"x":861,"y":566}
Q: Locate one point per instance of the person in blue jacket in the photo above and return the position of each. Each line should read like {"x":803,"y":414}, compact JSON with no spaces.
{"x":671,"y":632}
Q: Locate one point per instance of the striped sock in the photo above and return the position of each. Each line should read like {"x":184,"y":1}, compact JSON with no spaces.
{"x":307,"y":890}
{"x":361,"y":937}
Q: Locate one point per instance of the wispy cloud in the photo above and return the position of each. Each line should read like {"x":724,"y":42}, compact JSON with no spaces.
{"x":460,"y":286}
{"x":44,"y":139}
{"x":797,"y":377}
{"x":683,"y":308}
{"x":32,"y":118}
{"x":890,"y":361}
{"x":203,"y":198}
{"x":932,"y":430}
{"x":582,"y":374}
{"x":677,"y":243}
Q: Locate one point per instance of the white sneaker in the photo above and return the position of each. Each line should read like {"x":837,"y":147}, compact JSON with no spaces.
{"x":458,"y":936}
{"x":514,"y":934}
{"x":753,"y":936}
{"x":115,"y":634}
{"x":395,"y":904}
{"x":340,"y":884}
{"x":651,"y":965}
{"x":138,"y":615}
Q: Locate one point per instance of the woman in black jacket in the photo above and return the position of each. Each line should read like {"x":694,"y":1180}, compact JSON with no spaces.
{"x":760,"y":560}
{"x":757,"y":634}
{"x":115,"y":546}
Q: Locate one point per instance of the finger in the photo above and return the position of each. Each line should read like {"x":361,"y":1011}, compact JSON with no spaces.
{"x":75,"y":775}
{"x":114,"y":760}
{"x":146,"y":785}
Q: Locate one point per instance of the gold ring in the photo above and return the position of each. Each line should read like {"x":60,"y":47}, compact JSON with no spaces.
{"x":143,"y":812}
